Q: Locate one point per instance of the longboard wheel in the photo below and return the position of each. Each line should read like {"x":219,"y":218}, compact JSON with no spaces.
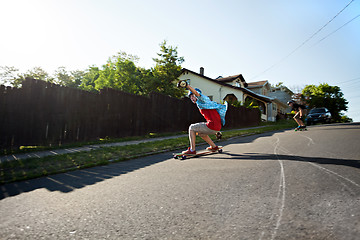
{"x":220,"y":151}
{"x":183,"y":157}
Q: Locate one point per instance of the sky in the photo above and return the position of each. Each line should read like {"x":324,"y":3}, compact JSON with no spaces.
{"x":296,"y":42}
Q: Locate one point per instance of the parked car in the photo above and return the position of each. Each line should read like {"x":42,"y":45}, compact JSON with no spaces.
{"x":318,"y":115}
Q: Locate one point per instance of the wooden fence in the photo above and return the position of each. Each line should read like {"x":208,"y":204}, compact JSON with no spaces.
{"x":41,"y":113}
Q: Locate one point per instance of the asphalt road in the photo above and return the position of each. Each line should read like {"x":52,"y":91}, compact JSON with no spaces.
{"x":280,"y":185}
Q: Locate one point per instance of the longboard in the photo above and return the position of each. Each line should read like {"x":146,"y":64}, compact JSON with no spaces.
{"x":198,"y":154}
{"x":300,"y":129}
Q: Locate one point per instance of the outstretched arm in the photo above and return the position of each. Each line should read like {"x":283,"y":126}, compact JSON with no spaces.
{"x":193,"y":90}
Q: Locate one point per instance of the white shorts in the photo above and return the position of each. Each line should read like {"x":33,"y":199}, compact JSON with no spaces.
{"x":201,"y":129}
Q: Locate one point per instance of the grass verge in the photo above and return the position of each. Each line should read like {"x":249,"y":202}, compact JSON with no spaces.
{"x":17,"y":170}
{"x":29,"y":149}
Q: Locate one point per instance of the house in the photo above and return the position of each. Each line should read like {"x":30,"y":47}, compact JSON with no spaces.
{"x":280,"y":94}
{"x":260,"y":87}
{"x":230,"y":89}
{"x":283,"y":94}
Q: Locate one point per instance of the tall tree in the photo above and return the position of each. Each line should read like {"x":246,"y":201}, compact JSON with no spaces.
{"x":121,"y":73}
{"x":65,"y":78}
{"x":10,"y":75}
{"x":327,"y":96}
{"x":39,"y":74}
{"x":166,"y":72}
{"x":78,"y":76}
{"x":89,"y":78}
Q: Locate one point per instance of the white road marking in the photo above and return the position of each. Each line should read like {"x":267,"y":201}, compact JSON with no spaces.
{"x":282,"y":186}
{"x":280,"y":195}
{"x":337,"y":174}
{"x":310,"y":140}
{"x":318,"y":166}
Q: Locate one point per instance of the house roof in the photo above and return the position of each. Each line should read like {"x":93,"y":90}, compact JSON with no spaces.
{"x":247,"y":91}
{"x":232,"y":78}
{"x":257,"y":84}
{"x":285,"y":89}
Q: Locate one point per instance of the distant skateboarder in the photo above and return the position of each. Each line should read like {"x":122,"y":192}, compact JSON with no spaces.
{"x":213,"y":112}
{"x":299,"y":113}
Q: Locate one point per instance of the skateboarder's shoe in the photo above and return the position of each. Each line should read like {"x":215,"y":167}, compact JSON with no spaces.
{"x":189,"y":152}
{"x":300,"y":128}
{"x":212,"y":149}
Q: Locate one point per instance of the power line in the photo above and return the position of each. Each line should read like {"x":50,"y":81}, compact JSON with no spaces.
{"x":336,"y":30}
{"x":320,"y":29}
{"x":352,"y":87}
{"x":353,"y":79}
{"x":302,"y":44}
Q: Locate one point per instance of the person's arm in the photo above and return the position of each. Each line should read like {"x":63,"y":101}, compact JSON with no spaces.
{"x":184,"y":84}
{"x":193,"y":90}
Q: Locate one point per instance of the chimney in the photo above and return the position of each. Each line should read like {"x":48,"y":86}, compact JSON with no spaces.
{"x":202,"y":71}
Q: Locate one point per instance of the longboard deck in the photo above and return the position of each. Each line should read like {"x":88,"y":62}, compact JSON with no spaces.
{"x":301,"y":129}
{"x":200,"y":153}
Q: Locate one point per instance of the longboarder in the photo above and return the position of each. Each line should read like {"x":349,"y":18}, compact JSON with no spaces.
{"x":299,"y":114}
{"x":213,"y":112}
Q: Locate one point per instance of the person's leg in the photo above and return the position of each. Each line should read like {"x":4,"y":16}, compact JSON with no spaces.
{"x":301,"y":123}
{"x":202,"y":130}
{"x":192,"y":138}
{"x":296,"y":118}
{"x":204,"y":133}
{"x":207,"y":139}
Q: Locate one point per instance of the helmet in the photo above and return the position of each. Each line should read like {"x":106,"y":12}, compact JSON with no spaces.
{"x":198,"y":90}
{"x":291,"y":101}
